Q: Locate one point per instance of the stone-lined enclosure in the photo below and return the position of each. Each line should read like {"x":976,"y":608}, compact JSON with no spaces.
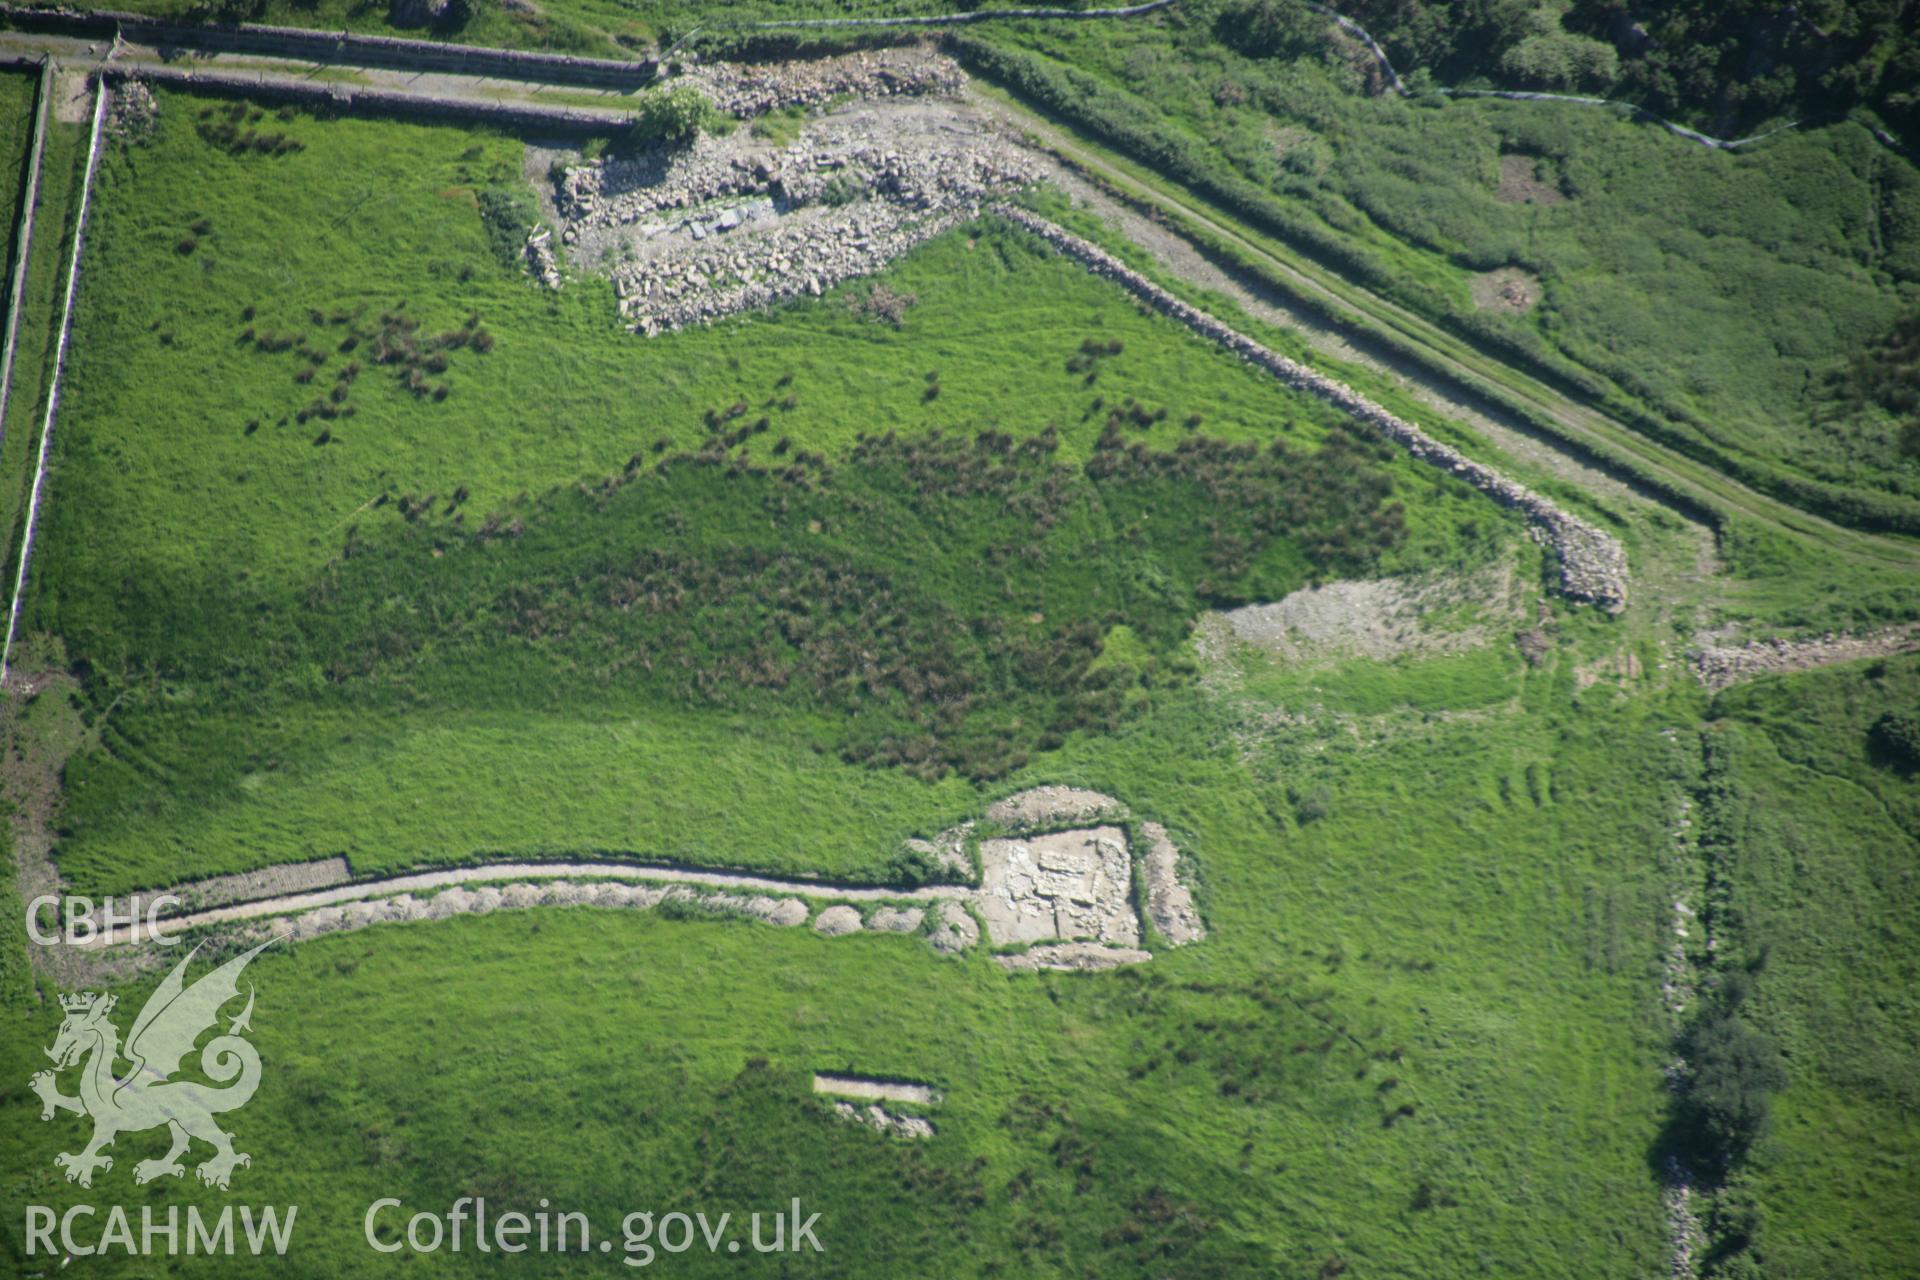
{"x":728,"y":224}
{"x":1068,"y":889}
{"x":731,"y":224}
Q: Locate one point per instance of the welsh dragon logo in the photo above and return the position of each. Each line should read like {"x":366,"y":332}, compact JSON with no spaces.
{"x":145,"y":1097}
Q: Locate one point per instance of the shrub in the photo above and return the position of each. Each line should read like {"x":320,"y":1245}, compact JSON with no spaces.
{"x":1733,"y":1072}
{"x":509,"y":213}
{"x":671,"y":116}
{"x":1896,"y":738}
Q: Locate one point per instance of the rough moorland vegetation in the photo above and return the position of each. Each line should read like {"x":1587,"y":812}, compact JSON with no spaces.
{"x":1705,"y":298}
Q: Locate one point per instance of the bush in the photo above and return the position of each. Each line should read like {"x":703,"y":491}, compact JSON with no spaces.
{"x":509,"y":213}
{"x":1733,"y":1072}
{"x":1895,"y":737}
{"x":1561,"y":60}
{"x":1269,"y":28}
{"x":1314,"y":806}
{"x":671,"y":115}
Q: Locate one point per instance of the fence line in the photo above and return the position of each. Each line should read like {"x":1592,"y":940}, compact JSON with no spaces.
{"x":59,"y":365}
{"x":23,"y":234}
{"x":341,"y":47}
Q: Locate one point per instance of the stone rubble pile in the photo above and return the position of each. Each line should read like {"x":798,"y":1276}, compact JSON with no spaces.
{"x":782,"y":264}
{"x":541,"y":260}
{"x":878,"y":1117}
{"x":1169,"y":900}
{"x":1041,"y":808}
{"x":1071,"y":891}
{"x":1718,"y":666}
{"x":1593,"y":565}
{"x":728,"y":224}
{"x":749,"y":90}
{"x":132,"y":112}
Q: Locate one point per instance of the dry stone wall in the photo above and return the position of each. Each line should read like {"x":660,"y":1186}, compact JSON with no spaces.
{"x":337,"y":46}
{"x":1592,"y":564}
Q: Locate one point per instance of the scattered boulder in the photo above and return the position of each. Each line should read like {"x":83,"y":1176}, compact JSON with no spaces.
{"x":837,"y":920}
{"x":954,"y":929}
{"x":879,"y":1118}
{"x":896,"y":920}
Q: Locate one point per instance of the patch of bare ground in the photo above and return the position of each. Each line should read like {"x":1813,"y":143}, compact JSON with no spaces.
{"x":1169,"y":900}
{"x":1083,"y":957}
{"x":1065,"y":885}
{"x":72,"y":95}
{"x":872,"y":1089}
{"x":1718,"y":666}
{"x":1508,"y":289}
{"x":1522,"y":181}
{"x":1380,"y":618}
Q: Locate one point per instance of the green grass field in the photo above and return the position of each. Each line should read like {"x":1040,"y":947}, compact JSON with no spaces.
{"x":223,"y":605}
{"x":1467,"y":932}
{"x":779,"y":593}
{"x":1821,"y":864}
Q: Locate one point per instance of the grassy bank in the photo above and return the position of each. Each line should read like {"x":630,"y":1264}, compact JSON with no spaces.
{"x":1422,"y":1039}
